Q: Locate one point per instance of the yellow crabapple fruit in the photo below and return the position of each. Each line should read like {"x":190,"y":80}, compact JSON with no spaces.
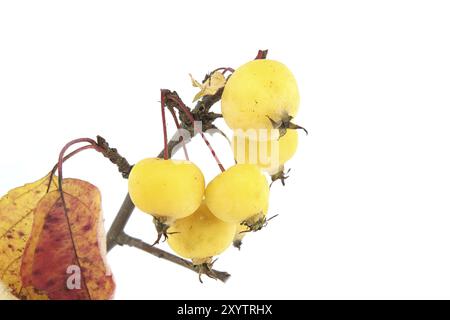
{"x":238,"y":193}
{"x":170,"y":189}
{"x":268,"y":151}
{"x":200,"y":236}
{"x":258,"y":91}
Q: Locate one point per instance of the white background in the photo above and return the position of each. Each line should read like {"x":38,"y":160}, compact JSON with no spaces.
{"x":365,"y":213}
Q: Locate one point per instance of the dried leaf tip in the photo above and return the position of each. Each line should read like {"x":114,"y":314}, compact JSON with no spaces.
{"x":212,"y":83}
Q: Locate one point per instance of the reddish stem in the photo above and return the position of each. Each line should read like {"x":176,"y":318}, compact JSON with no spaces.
{"x":63,"y":151}
{"x":262,"y":54}
{"x":191,"y":118}
{"x":67,"y":157}
{"x":177,"y":123}
{"x":224,"y":70}
{"x":163,"y":113}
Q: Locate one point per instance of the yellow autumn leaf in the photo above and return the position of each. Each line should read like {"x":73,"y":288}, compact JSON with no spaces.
{"x":68,"y":236}
{"x":210,"y":86}
{"x":5,"y":293}
{"x":16,"y":218}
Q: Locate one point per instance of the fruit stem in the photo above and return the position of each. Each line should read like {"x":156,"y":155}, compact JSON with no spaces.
{"x":224,"y":70}
{"x":181,"y":139}
{"x":191,"y":118}
{"x":163,"y":114}
{"x":262,"y":54}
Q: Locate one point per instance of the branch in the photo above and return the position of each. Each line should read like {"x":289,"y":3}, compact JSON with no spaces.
{"x":112,"y":154}
{"x":125,"y":239}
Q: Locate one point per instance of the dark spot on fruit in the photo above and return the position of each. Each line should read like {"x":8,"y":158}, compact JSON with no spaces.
{"x":37,"y":273}
{"x":87,"y":227}
{"x":21,"y":234}
{"x":11,"y":246}
{"x":9,"y":236}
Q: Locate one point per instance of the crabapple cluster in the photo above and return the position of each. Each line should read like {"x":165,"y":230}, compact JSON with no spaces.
{"x":201,"y":223}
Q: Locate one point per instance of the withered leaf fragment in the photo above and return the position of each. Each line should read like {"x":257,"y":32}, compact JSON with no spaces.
{"x":16,"y":218}
{"x":65,"y":255}
{"x":210,"y":85}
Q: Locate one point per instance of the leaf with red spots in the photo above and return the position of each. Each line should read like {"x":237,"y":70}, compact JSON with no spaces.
{"x":65,"y":255}
{"x":16,"y":218}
